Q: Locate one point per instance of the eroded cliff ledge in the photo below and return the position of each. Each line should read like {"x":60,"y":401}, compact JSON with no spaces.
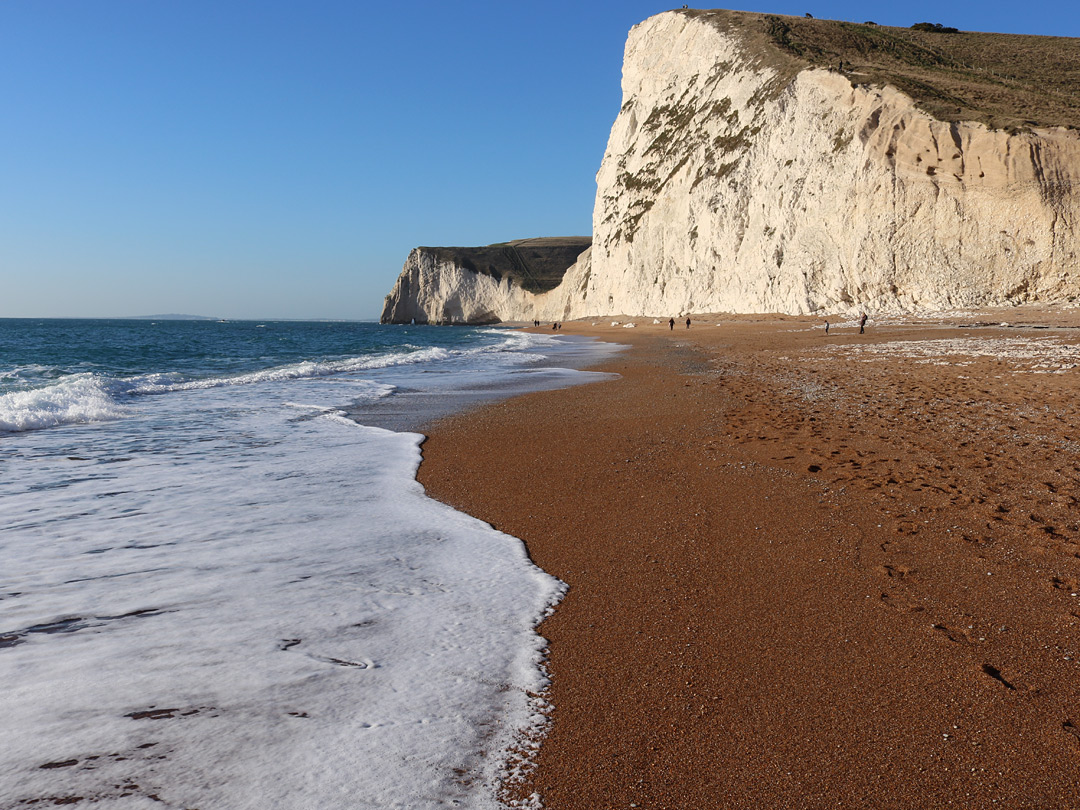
{"x":479,"y":285}
{"x":747,"y":172}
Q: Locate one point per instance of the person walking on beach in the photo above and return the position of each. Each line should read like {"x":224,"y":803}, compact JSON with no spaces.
{"x":862,"y":323}
{"x":687,"y":323}
{"x":826,"y":327}
{"x":671,"y":324}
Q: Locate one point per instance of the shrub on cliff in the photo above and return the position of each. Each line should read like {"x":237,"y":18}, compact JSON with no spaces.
{"x":937,"y":28}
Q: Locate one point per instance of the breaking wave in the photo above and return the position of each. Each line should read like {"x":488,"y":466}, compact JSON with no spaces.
{"x":79,"y":398}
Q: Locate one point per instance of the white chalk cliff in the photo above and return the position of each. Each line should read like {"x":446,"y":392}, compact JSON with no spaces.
{"x":730,"y":186}
{"x":434,"y":288}
{"x":482,"y":284}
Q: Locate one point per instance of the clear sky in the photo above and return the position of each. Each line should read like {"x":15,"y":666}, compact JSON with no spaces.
{"x":279,"y":159}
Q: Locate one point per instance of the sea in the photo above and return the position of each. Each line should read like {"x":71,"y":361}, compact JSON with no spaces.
{"x":221,"y":585}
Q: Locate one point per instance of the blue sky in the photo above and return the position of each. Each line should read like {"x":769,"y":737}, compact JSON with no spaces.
{"x":270,"y":159}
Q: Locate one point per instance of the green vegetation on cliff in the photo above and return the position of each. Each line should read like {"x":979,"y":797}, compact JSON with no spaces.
{"x":1006,"y":81}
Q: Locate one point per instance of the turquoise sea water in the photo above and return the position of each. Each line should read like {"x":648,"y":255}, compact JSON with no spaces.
{"x":221,"y":585}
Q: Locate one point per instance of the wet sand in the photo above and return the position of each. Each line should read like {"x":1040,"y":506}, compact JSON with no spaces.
{"x":804,"y":571}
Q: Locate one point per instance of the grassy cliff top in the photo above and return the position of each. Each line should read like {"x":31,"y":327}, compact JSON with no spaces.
{"x":1006,"y":81}
{"x":535,"y":265}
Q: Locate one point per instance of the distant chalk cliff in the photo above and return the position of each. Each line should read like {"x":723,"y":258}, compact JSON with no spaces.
{"x":751,"y":169}
{"x":481,"y":285}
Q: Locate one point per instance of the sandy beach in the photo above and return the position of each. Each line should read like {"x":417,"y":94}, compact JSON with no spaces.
{"x":804,"y":570}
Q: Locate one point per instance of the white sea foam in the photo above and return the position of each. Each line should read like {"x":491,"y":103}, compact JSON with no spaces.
{"x":74,"y":399}
{"x":223,"y":600}
{"x":227,"y":594}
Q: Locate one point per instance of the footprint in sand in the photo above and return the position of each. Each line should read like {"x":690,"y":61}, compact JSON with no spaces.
{"x":995,"y":673}
{"x":894,"y":571}
{"x":1071,"y":586}
{"x":955,"y":635}
{"x":1069,"y":727}
{"x":900,"y":603}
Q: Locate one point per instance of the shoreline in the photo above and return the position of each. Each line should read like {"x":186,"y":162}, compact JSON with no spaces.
{"x":803,"y":571}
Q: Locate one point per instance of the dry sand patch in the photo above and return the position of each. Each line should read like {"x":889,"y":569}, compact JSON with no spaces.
{"x":804,"y":571}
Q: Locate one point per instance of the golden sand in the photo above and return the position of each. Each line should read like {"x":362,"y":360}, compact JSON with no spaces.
{"x":804,"y":571}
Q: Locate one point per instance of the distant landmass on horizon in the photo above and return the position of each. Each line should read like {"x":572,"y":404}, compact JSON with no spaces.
{"x":172,"y":317}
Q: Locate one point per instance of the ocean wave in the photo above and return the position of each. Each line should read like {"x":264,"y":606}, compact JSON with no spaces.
{"x":43,"y":401}
{"x":305,"y":370}
{"x":76,"y":399}
{"x":517,"y":344}
{"x":517,"y":341}
{"x":28,"y":376}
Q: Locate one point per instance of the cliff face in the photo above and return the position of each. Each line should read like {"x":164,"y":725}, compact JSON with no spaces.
{"x":483,"y":284}
{"x":739,"y":179}
{"x":727,"y":187}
